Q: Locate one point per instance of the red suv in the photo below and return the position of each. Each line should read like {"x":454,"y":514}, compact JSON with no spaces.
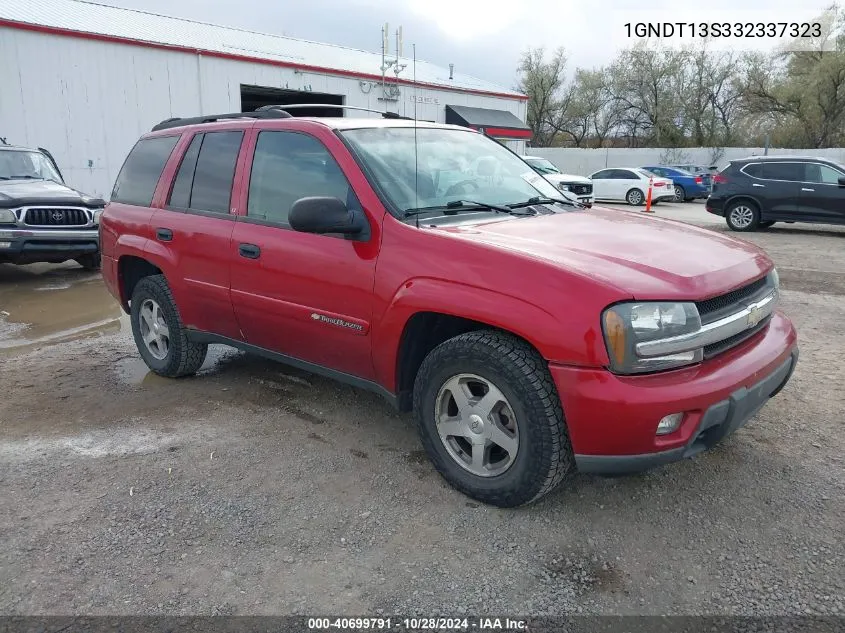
{"x":432,"y":265}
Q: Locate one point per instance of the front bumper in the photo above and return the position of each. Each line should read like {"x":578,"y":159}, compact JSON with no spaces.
{"x":37,"y":245}
{"x":612,"y":419}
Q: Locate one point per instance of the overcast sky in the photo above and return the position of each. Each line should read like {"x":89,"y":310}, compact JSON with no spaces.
{"x":483,"y":38}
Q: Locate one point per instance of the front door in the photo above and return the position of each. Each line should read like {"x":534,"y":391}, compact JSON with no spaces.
{"x":822,"y":197}
{"x":602,"y":185}
{"x":303,"y":295}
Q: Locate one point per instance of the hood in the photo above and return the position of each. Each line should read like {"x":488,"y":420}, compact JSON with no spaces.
{"x":640,"y":256}
{"x":19,"y":193}
{"x":568,"y":178}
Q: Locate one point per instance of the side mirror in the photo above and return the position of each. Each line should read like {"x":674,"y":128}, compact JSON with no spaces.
{"x":322,"y":214}
{"x":842,"y":181}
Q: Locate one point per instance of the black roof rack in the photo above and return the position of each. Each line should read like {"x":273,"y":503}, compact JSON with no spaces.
{"x":266,"y":112}
{"x":334,"y":106}
{"x":270,"y":113}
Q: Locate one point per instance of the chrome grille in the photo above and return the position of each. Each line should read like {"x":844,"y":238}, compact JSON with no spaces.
{"x":713,"y":309}
{"x":736,"y":339}
{"x":55,"y":216}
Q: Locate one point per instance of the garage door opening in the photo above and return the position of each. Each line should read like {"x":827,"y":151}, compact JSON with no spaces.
{"x":254,"y":97}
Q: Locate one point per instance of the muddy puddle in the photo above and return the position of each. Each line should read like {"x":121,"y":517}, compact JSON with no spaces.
{"x":48,"y":304}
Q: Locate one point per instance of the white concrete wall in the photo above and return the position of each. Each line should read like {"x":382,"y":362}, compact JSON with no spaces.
{"x":584,"y":162}
{"x":88,"y":101}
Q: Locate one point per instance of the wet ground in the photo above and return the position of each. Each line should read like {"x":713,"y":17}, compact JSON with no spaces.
{"x":257,"y":489}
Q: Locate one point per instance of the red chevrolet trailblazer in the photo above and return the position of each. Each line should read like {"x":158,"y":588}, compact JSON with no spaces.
{"x":530,"y":337}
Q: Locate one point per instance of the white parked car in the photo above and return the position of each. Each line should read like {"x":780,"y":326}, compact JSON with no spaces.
{"x":631,"y":185}
{"x":580,"y":186}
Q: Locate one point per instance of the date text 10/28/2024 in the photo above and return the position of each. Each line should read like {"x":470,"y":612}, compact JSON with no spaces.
{"x":416,"y":624}
{"x":670,"y":30}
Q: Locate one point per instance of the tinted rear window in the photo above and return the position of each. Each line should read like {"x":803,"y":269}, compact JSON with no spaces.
{"x":754,"y":170}
{"x":180,"y":196}
{"x":783,"y":171}
{"x":137,"y":180}
{"x":215,"y":171}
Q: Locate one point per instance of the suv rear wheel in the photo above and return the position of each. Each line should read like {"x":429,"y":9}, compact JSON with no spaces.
{"x":159,"y":333}
{"x":743,"y":216}
{"x":490,"y":418}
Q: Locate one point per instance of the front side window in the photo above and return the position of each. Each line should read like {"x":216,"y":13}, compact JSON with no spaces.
{"x":15,"y":164}
{"x":288,"y":166}
{"x":822,"y":174}
{"x":604,"y":174}
{"x":431,"y":167}
{"x":137,"y":180}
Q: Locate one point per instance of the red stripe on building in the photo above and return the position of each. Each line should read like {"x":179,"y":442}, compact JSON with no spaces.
{"x":41,"y":28}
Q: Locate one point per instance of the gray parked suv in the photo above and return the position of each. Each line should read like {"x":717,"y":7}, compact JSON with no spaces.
{"x":41,"y":218}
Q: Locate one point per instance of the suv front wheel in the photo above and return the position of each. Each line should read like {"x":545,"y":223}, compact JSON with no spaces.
{"x":490,"y":418}
{"x":159,"y":333}
{"x":743,"y":216}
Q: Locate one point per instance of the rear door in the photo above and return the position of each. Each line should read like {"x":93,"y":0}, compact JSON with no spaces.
{"x":775,"y":185}
{"x":195,"y":227}
{"x":303,"y":295}
{"x":822,"y":197}
{"x":624,"y":180}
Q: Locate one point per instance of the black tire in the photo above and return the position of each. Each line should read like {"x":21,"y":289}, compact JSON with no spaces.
{"x":680,"y":194}
{"x":184,"y":357}
{"x":743,"y":216}
{"x":90,"y":261}
{"x":635,"y":197}
{"x":544,"y":456}
{"x":765,"y":225}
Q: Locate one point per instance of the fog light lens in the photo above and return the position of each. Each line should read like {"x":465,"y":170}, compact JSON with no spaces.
{"x":669,"y":424}
{"x":5,"y":244}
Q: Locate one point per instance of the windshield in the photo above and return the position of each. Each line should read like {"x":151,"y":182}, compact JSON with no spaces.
{"x":542,"y":165}
{"x":18,"y":164}
{"x":452,"y":165}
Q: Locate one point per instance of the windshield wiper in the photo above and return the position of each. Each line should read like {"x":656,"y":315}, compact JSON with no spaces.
{"x":544,"y":200}
{"x":457,"y":206}
{"x":20,"y":178}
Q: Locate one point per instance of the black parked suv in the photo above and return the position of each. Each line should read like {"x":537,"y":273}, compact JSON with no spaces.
{"x":761,"y":190}
{"x":41,"y":218}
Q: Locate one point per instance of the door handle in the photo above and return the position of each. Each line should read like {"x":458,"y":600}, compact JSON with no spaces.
{"x":250,"y":251}
{"x":164,"y":235}
{"x":805,"y":189}
{"x":754,"y":184}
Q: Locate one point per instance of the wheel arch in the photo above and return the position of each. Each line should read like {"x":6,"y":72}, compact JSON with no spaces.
{"x":426,"y":312}
{"x":130,"y":270}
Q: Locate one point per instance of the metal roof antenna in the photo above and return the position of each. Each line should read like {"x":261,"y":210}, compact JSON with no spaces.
{"x":416,"y":159}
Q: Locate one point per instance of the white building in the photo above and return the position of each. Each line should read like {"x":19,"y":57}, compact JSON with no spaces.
{"x":85,"y":81}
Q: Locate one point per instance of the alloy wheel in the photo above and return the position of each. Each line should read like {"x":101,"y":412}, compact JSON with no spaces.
{"x":477,"y":425}
{"x":154,"y":330}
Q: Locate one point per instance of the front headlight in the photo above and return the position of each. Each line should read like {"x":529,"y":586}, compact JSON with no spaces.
{"x":97,"y":215}
{"x":627,"y":324}
{"x":7,"y":216}
{"x":563,"y":186}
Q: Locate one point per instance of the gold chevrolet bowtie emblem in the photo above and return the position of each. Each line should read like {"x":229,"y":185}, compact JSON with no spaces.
{"x":754,"y":316}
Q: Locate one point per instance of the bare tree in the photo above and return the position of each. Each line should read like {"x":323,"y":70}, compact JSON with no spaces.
{"x":802,"y":92}
{"x":541,"y":81}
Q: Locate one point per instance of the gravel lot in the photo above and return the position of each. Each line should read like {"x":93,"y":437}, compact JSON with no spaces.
{"x":258,"y":489}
